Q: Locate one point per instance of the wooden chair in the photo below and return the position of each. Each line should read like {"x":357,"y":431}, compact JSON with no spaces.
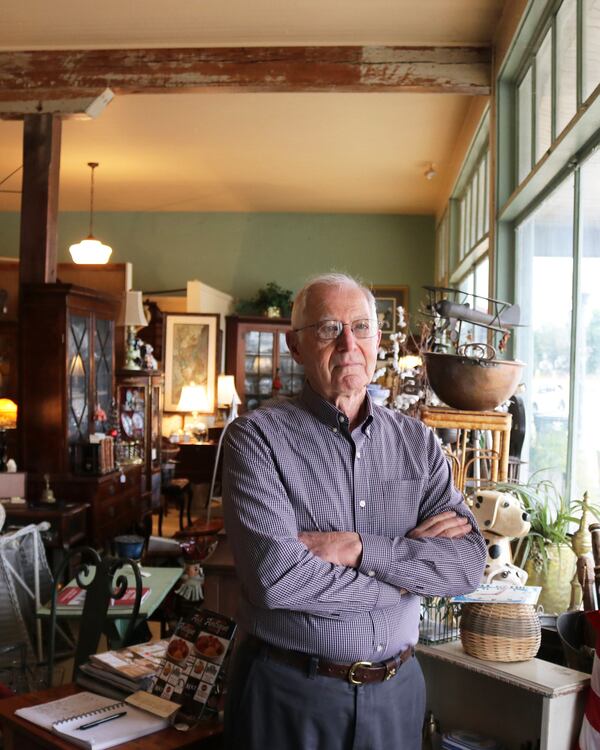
{"x":100,"y":590}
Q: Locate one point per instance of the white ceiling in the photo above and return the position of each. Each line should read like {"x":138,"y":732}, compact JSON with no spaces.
{"x":251,"y":152}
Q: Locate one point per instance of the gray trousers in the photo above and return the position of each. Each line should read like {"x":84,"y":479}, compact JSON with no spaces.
{"x":273,"y":706}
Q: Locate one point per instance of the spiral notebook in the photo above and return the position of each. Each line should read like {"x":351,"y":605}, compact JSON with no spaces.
{"x":68,"y":717}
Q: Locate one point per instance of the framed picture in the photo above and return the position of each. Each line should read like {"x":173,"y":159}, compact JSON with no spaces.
{"x":387,"y":300}
{"x":190,"y":356}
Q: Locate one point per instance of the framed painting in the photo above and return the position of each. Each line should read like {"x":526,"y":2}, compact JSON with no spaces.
{"x":190,"y":356}
{"x":387,"y":301}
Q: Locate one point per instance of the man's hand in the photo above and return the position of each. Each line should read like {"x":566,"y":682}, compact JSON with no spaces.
{"x":337,"y":547}
{"x":447,"y":525}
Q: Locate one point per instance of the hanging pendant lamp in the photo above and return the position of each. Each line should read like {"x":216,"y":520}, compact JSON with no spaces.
{"x":90,"y":250}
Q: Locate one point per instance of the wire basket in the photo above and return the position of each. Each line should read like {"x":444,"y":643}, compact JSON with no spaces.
{"x":440,"y":620}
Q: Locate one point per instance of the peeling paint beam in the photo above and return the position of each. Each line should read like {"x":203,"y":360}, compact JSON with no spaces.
{"x":79,"y":74}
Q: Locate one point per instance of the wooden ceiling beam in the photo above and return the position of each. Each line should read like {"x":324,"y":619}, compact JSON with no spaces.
{"x":58,"y":75}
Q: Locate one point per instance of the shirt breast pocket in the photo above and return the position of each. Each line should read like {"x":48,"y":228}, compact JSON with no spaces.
{"x":397,"y":503}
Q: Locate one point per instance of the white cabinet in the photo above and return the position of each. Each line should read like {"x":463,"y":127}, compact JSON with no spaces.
{"x":515,"y":703}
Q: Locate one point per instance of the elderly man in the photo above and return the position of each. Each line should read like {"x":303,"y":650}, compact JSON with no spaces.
{"x":340,"y":514}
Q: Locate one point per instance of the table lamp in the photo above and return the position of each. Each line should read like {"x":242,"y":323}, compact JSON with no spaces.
{"x":8,"y":421}
{"x":132,"y":316}
{"x":227,"y":398}
{"x":194,"y":399}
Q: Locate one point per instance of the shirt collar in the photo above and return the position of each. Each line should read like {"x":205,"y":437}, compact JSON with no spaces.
{"x":330,"y":415}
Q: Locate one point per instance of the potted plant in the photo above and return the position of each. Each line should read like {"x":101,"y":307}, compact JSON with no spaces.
{"x":548,"y":553}
{"x":272,"y":300}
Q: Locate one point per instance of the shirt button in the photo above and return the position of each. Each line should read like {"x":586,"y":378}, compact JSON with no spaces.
{"x":362,"y":503}
{"x":371,"y":573}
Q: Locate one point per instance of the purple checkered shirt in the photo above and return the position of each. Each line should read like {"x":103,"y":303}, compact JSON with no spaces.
{"x":295,"y":467}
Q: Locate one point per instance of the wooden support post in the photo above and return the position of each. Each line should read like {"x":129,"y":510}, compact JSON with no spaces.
{"x":39,"y":203}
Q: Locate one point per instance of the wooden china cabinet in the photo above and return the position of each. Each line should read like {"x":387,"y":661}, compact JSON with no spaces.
{"x":139,"y":403}
{"x":258,"y":356}
{"x":66,"y":374}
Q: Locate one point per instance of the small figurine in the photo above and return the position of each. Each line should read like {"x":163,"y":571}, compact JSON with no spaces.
{"x":47,"y":492}
{"x":148,"y":359}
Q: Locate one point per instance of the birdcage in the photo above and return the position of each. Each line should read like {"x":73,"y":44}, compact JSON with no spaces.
{"x":440,"y":620}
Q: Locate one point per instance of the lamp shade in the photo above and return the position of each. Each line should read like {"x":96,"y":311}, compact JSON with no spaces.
{"x":132,"y":311}
{"x":90,"y":251}
{"x":194,"y":398}
{"x":8,"y":414}
{"x":226,"y":393}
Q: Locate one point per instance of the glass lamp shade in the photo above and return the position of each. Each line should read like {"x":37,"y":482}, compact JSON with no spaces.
{"x":90,"y":251}
{"x":193,"y":399}
{"x":8,"y":414}
{"x":226,"y":393}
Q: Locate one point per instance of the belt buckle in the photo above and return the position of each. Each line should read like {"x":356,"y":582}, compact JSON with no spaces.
{"x":353,"y":667}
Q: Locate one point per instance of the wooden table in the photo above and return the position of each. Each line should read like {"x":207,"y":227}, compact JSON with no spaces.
{"x":160,"y":582}
{"x":22,"y":734}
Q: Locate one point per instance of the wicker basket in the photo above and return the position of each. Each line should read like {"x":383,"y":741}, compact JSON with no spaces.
{"x":500,"y":632}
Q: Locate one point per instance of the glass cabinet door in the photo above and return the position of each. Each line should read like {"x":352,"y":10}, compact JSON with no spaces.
{"x":291,"y":374}
{"x":103,"y":363}
{"x":78,"y":377}
{"x":156,"y":432}
{"x":258,"y":367}
{"x":131,"y":400}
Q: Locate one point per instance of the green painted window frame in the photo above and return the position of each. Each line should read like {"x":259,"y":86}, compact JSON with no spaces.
{"x":518,"y":198}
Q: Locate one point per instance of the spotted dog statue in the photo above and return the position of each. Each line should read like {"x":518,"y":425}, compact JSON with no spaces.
{"x":500,"y":517}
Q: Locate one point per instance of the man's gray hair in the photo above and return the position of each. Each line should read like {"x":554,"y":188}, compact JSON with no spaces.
{"x":337,"y":280}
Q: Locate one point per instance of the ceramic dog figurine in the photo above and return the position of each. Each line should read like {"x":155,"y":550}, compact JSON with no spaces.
{"x":500,"y":517}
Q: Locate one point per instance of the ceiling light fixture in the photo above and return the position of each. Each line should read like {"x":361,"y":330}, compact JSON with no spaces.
{"x":430,"y":173}
{"x":90,"y":250}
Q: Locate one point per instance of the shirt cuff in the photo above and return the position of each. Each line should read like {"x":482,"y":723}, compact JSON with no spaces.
{"x":376,"y":559}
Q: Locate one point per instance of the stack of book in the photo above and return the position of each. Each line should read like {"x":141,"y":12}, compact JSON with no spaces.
{"x":117,"y":674}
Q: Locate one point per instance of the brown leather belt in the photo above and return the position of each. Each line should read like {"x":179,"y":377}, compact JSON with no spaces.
{"x":358,"y":673}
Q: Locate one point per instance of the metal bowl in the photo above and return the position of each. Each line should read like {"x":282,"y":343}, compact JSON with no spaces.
{"x":471,"y":384}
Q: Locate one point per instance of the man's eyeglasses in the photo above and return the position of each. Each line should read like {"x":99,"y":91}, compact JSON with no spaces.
{"x":328,"y":330}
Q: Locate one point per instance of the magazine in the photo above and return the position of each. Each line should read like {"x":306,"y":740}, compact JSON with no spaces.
{"x":194,"y":660}
{"x":501,"y":593}
{"x":74,"y":596}
{"x":135,"y":662}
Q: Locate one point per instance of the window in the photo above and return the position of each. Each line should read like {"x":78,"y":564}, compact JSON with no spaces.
{"x":544,"y":291}
{"x":525,"y":124}
{"x":543,"y":97}
{"x":547,"y":98}
{"x":474,"y":220}
{"x":566,"y":64}
{"x":591,"y":46}
{"x":548,"y":234}
{"x":586,"y":451}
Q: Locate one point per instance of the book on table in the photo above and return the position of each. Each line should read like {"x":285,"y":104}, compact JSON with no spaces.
{"x":93,"y":721}
{"x":134,"y":662}
{"x":74,"y":596}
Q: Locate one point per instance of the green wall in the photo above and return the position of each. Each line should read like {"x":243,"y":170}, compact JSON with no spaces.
{"x":240,"y":252}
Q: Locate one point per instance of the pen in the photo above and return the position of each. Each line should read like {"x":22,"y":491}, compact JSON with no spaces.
{"x":102,"y":720}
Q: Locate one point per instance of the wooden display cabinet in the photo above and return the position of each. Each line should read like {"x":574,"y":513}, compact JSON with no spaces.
{"x":66,"y":373}
{"x":256,"y":351}
{"x":139,"y":404}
